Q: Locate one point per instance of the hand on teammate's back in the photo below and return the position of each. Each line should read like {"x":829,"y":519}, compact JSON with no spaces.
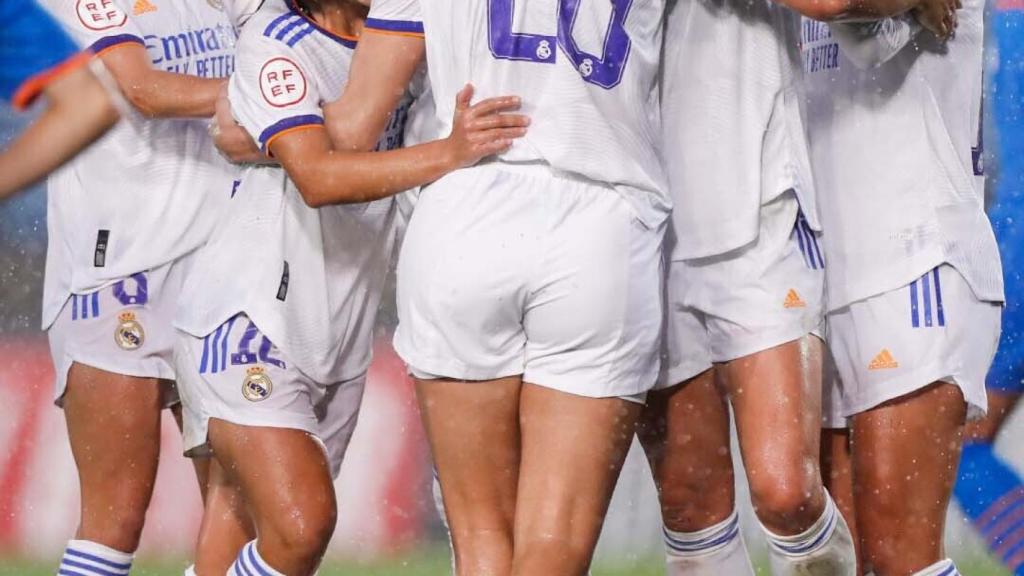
{"x":938,"y":16}
{"x":483,"y":129}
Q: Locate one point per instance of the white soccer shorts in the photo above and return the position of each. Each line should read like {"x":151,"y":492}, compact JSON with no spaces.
{"x":125,"y":328}
{"x":510,"y":270}
{"x":933,"y":330}
{"x":238,"y":375}
{"x":745,"y":301}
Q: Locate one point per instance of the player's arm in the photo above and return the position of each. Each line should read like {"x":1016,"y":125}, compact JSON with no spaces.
{"x":937,"y":15}
{"x":79,"y":109}
{"x":156,"y":93}
{"x":382,"y":67}
{"x":326,"y":176}
{"x":871,"y":44}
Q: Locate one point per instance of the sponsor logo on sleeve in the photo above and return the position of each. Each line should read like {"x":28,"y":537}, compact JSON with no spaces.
{"x":282,"y":83}
{"x":100,"y":15}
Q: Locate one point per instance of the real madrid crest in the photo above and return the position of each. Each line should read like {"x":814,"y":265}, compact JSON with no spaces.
{"x":257,"y":385}
{"x":129,"y":334}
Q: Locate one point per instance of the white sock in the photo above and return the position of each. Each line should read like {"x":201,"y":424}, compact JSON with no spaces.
{"x":943,"y":568}
{"x":249,"y":563}
{"x":824,"y":549}
{"x":190,"y":571}
{"x":85,"y":558}
{"x":715,"y":551}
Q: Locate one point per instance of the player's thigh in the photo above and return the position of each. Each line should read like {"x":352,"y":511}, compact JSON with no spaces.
{"x":573,"y":448}
{"x":905,"y":458}
{"x":593,"y":319}
{"x":473,"y":429}
{"x":685,"y":431}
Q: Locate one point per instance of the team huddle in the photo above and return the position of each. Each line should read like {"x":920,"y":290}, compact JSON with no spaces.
{"x":611,"y":219}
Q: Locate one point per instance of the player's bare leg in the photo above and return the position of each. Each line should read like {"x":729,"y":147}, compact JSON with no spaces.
{"x":905,"y":455}
{"x":114,"y":428}
{"x":777,"y":419}
{"x":837,"y":472}
{"x":286,"y":481}
{"x":573,"y":448}
{"x":776,"y":398}
{"x":473,"y":428}
{"x":685,"y":434}
{"x":227,"y":525}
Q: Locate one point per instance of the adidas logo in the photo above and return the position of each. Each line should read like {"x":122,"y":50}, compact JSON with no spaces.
{"x":142,"y":7}
{"x":883,"y":361}
{"x":793,"y":300}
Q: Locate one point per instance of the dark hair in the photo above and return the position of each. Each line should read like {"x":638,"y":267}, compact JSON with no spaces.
{"x":308,"y":7}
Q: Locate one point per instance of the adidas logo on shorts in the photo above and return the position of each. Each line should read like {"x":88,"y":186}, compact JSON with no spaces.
{"x":883,"y":361}
{"x":793,"y":300}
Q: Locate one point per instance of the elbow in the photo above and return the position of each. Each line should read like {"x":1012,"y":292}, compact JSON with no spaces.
{"x":312,"y":197}
{"x":141,"y":100}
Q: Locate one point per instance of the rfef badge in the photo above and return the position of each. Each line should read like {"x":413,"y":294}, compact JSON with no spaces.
{"x":129,"y":334}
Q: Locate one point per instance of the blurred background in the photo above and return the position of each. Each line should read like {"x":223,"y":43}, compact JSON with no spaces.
{"x":387,"y":525}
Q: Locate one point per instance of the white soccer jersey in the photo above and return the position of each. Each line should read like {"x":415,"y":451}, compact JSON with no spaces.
{"x":733,"y":138}
{"x":895,"y":146}
{"x":586,"y":70}
{"x":310,"y":279}
{"x":151,"y":190}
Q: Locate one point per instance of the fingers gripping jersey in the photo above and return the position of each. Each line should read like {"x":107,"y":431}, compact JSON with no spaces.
{"x":310,"y":279}
{"x":586,"y":70}
{"x":733,"y":138}
{"x":150,"y":191}
{"x":894,"y":124}
{"x":32,"y":50}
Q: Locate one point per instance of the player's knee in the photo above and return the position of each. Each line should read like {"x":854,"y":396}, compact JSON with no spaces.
{"x":785,"y":500}
{"x":548,"y":553}
{"x":695,"y":504}
{"x":303,"y":534}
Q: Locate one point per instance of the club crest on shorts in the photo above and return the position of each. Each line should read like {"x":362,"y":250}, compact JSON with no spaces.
{"x":129,"y":334}
{"x":257,"y":385}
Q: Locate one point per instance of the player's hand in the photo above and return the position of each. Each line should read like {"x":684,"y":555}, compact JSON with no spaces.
{"x":232,"y":140}
{"x":938,"y":16}
{"x":483,"y":129}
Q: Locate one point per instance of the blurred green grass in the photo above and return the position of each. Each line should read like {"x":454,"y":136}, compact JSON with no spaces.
{"x":432,"y":563}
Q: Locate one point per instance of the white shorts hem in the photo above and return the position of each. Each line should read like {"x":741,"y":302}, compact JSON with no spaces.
{"x":919,"y":380}
{"x":741,"y":347}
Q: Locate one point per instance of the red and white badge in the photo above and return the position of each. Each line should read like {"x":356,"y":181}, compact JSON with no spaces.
{"x":100,"y":15}
{"x":282,"y":82}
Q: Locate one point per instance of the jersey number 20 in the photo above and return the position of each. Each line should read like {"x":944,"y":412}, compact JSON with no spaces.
{"x":604,"y":70}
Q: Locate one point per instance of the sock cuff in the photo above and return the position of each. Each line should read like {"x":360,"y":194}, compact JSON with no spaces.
{"x":942,"y":568}
{"x":250,"y":563}
{"x":811,"y":539}
{"x":190,"y":571}
{"x":95,"y":559}
{"x":703,"y":541}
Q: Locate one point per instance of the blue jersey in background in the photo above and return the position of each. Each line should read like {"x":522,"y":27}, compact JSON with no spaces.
{"x":32,"y":47}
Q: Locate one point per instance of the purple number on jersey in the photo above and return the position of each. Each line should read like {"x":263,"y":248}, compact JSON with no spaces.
{"x":141,"y":295}
{"x":604,"y":71}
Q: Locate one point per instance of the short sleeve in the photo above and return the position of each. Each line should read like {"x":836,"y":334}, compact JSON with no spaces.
{"x":396,"y":17}
{"x":100,"y":24}
{"x":34,"y":50}
{"x":271,"y":91}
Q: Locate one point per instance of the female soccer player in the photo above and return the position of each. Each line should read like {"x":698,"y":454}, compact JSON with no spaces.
{"x":528,"y":286}
{"x":989,"y":490}
{"x":914,"y":278}
{"x":37,"y":57}
{"x":123,"y":220}
{"x":274,"y":352}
